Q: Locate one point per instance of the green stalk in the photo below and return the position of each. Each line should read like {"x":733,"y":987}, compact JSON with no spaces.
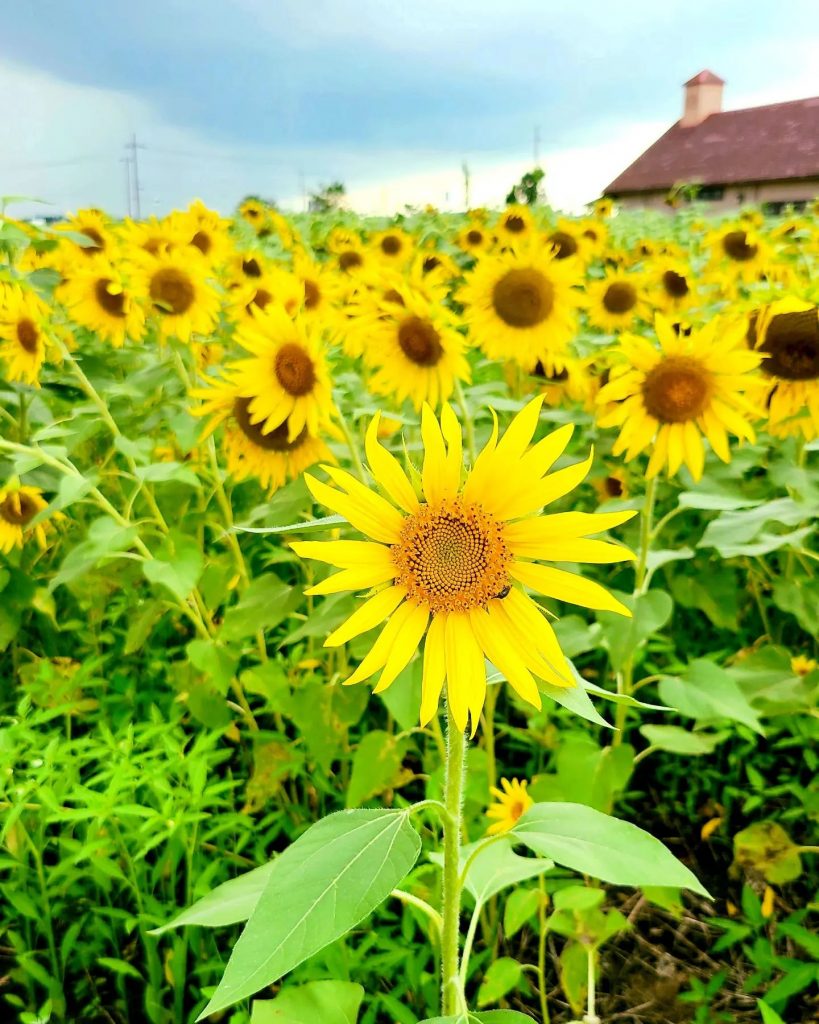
{"x":451,"y":900}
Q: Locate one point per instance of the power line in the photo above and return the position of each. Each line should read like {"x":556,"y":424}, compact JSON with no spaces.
{"x":133,"y":147}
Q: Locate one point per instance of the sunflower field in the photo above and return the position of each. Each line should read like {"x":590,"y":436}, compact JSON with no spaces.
{"x":409,"y":620}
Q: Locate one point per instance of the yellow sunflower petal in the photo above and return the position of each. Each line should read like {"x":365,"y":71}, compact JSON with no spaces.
{"x":387,"y":470}
{"x":434,"y":668}
{"x":433,"y":474}
{"x":379,"y":607}
{"x":566,"y":586}
{"x":353,"y":579}
{"x":343,"y":554}
{"x":405,"y":645}
{"x":377,"y":655}
{"x":504,"y":657}
{"x":355,"y":512}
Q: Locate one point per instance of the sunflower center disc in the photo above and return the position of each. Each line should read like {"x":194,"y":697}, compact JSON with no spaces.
{"x":515,"y":224}
{"x":251,"y":268}
{"x":172,"y":291}
{"x":349,"y":259}
{"x":18,"y":509}
{"x":474,"y":237}
{"x":792,"y":346}
{"x":275,"y":440}
{"x":391,"y":245}
{"x":203,"y":242}
{"x":676,"y":390}
{"x":735,"y":244}
{"x":312,"y":294}
{"x":113,"y":304}
{"x":523,"y":298}
{"x":675,"y":284}
{"x":420,"y":342}
{"x":620,"y":297}
{"x":294,"y":370}
{"x":451,"y":557}
{"x":28,"y":335}
{"x":564,"y":243}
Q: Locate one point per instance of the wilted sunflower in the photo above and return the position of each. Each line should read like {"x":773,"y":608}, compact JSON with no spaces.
{"x":273,"y":457}
{"x":393,"y":246}
{"x":454,"y":564}
{"x":786,"y":334}
{"x":521,"y":306}
{"x":18,"y":506}
{"x":666,"y":398}
{"x":176,"y":287}
{"x":23,"y":334}
{"x":287,"y":379}
{"x":411,"y":343}
{"x":511,"y":804}
{"x":616,"y":301}
{"x":97,"y":297}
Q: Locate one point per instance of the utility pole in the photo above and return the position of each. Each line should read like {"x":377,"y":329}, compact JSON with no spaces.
{"x":536,"y":145}
{"x":467,"y":181}
{"x":133,"y":147}
{"x":127,"y":161}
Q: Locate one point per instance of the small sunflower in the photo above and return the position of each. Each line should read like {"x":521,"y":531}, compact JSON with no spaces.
{"x":272,"y":458}
{"x":413,"y":346}
{"x":151,"y":236}
{"x":454,"y":564}
{"x":24,"y":337}
{"x":666,"y":398}
{"x":204,"y":230}
{"x":739,"y":252}
{"x":176,"y":287}
{"x":603,"y":207}
{"x":18,"y":506}
{"x":286,"y":379}
{"x":97,"y":297}
{"x":434,"y":267}
{"x":474,"y":238}
{"x":573,"y":382}
{"x":320,"y":292}
{"x":616,"y":301}
{"x":801,"y":665}
{"x":392,"y":247}
{"x":95,"y":229}
{"x":521,"y":306}
{"x":674,"y":288}
{"x":612,"y":486}
{"x":512,"y":803}
{"x":515,"y":225}
{"x":274,"y":288}
{"x":594,"y":234}
{"x":567,"y":241}
{"x":786,"y":334}
{"x":252,"y":210}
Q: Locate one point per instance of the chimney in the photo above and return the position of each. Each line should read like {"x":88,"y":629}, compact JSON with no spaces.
{"x":703,"y":97}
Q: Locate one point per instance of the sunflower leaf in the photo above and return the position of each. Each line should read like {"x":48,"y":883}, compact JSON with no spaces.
{"x":310,"y":524}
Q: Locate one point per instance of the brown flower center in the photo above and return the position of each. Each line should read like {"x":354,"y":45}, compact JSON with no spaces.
{"x":515,"y":224}
{"x":348,"y":260}
{"x":295,"y":370}
{"x":391,"y":295}
{"x":620,"y":297}
{"x":675,"y":284}
{"x":112,"y":302}
{"x":251,"y":268}
{"x":451,"y":557}
{"x":312,"y":294}
{"x":420,"y":342}
{"x":96,"y":238}
{"x":613,"y":486}
{"x":18,"y":509}
{"x":28,"y":335}
{"x":430,"y":263}
{"x":564,"y":243}
{"x":735,"y":245}
{"x":523,"y":297}
{"x":676,"y":390}
{"x":203,"y":242}
{"x":391,"y":245}
{"x":171,"y":291}
{"x":261,"y":298}
{"x":474,"y":237}
{"x":275,"y":440}
{"x":791,"y":346}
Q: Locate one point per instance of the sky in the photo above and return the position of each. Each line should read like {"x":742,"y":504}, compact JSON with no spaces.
{"x":277,"y":97}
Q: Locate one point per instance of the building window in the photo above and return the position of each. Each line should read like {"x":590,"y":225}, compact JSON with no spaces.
{"x":777,"y":207}
{"x":710,"y":193}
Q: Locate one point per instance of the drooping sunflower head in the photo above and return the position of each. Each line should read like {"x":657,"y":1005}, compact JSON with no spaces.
{"x":19,"y":505}
{"x":99,"y":299}
{"x":666,"y":396}
{"x":521,"y":306}
{"x":24,"y":333}
{"x":452,"y":563}
{"x":511,"y":803}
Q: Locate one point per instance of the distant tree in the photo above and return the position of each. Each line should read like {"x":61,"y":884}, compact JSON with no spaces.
{"x":329,"y":197}
{"x":528,"y":190}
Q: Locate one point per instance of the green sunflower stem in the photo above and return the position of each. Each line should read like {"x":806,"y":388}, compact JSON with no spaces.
{"x":353,"y":446}
{"x":455,"y":770}
{"x":625,"y":679}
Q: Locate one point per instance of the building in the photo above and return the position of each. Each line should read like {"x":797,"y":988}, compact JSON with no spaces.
{"x":767,"y":155}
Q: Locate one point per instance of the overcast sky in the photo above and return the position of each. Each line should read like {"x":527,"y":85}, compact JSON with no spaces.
{"x":390,"y":96}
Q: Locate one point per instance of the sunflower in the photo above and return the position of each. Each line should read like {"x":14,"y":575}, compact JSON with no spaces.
{"x":274,"y":288}
{"x":567,"y":241}
{"x":454,"y":565}
{"x":412,"y":344}
{"x":613,"y":486}
{"x":616,"y":301}
{"x":275,"y":223}
{"x":786,"y":334}
{"x":24,"y":335}
{"x":286,"y":379}
{"x":594,"y":234}
{"x":204,"y":230}
{"x":571,"y":383}
{"x":515,"y":225}
{"x":18,"y":506}
{"x":512,"y":803}
{"x":603,"y":207}
{"x":739,"y":252}
{"x":95,"y":229}
{"x":97,"y":298}
{"x":392,"y":246}
{"x":667,"y":398}
{"x":434,"y":267}
{"x":273,"y":457}
{"x":253,"y":211}
{"x":352,"y":260}
{"x":320,"y":291}
{"x":176,"y":285}
{"x":521,"y":306}
{"x":474,"y":238}
{"x":673,"y":288}
{"x":152,"y":235}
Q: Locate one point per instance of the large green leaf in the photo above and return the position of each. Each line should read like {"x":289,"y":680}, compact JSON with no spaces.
{"x":495,"y":866}
{"x":651,"y":611}
{"x":327,"y":1002}
{"x":228,"y":903}
{"x":708,"y":693}
{"x":681,"y":741}
{"x":501,"y":977}
{"x":376,"y":766}
{"x":265,"y":603}
{"x":323,"y":885}
{"x":596,"y":844}
{"x":177,"y":565}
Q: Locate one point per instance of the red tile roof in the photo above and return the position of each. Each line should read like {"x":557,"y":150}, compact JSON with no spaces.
{"x":770,"y":143}
{"x":706,"y":78}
